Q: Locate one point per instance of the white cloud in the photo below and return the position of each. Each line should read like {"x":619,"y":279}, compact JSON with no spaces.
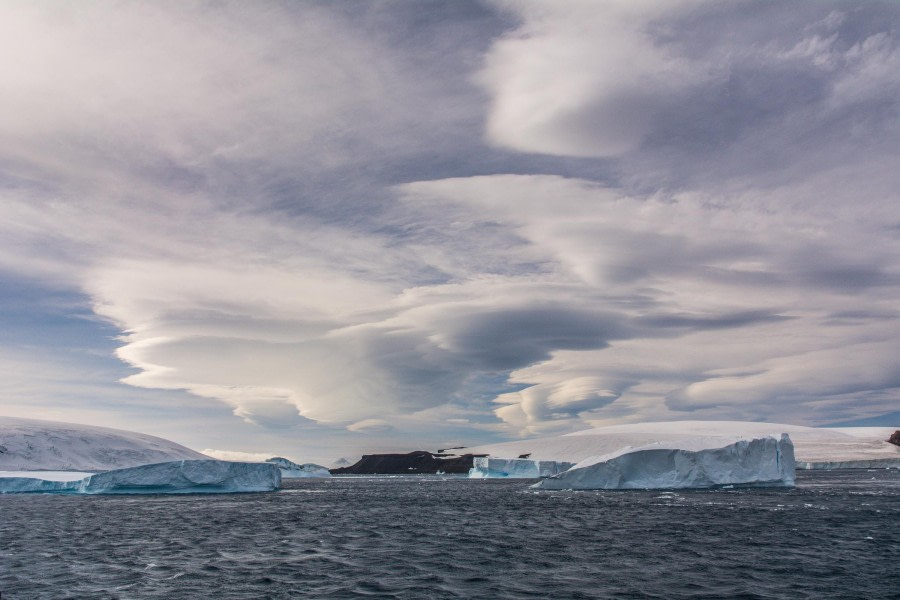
{"x":581,"y":78}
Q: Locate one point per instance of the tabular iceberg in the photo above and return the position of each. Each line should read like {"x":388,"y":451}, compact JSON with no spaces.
{"x":175,"y":477}
{"x":760,"y":462}
{"x":485,"y":467}
{"x":291,"y":470}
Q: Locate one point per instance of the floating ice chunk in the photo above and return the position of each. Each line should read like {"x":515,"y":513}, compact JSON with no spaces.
{"x":292,"y":470}
{"x":186,"y":477}
{"x":485,"y":467}
{"x":760,"y":462}
{"x":176,"y":477}
{"x":874,"y":463}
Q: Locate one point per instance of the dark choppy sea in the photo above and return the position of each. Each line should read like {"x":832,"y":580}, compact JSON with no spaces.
{"x":837,"y":535}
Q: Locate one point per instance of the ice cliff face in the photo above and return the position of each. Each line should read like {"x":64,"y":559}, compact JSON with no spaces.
{"x":760,"y":462}
{"x":292,"y":470}
{"x":176,"y":477}
{"x":32,"y":444}
{"x":485,"y":467}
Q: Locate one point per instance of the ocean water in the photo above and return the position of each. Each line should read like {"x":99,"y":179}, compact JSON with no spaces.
{"x":837,"y":535}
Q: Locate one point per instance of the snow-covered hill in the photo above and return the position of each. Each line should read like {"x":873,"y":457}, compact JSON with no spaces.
{"x":813,"y":445}
{"x":32,"y":444}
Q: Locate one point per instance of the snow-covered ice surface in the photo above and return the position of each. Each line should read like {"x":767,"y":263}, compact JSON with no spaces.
{"x":32,"y":444}
{"x":174,"y":477}
{"x":48,"y":475}
{"x":292,"y":470}
{"x":699,"y":462}
{"x":484,"y":467}
{"x":814,"y":447}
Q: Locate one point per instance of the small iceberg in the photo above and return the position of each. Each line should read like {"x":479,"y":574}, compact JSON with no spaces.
{"x":174,"y":477}
{"x":485,"y":467}
{"x":760,"y":462}
{"x":291,"y":470}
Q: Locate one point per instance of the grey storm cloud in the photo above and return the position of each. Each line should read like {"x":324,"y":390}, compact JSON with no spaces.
{"x":516,"y":337}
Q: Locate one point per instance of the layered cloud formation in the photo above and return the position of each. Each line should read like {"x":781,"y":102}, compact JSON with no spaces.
{"x":521,"y":217}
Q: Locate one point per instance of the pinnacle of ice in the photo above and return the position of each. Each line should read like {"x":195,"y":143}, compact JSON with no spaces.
{"x":291,"y":470}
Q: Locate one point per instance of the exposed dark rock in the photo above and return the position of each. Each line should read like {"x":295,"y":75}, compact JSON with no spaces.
{"x":525,"y":455}
{"x":416,"y":462}
{"x":895,"y":438}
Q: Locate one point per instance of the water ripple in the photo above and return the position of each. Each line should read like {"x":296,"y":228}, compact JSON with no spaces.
{"x":835,"y":536}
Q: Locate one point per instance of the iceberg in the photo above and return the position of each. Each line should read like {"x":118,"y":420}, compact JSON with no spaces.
{"x":875,"y":463}
{"x":485,"y":467}
{"x":759,"y":462}
{"x":291,"y":470}
{"x":174,"y":477}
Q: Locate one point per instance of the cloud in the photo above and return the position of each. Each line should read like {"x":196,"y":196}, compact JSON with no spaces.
{"x":467,"y":221}
{"x":690,"y":92}
{"x":749,"y":280}
{"x":581,"y":79}
{"x":371,"y":426}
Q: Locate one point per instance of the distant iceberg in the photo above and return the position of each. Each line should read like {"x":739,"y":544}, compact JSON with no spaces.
{"x":291,"y":470}
{"x":485,"y":467}
{"x":175,"y":477}
{"x":695,"y":463}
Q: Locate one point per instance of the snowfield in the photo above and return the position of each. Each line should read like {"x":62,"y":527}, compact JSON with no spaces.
{"x":33,"y":445}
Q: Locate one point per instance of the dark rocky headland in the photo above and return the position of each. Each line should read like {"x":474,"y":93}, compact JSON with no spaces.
{"x":417,"y":462}
{"x":895,"y":438}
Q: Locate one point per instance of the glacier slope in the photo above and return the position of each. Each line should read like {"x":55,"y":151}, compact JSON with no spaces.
{"x":33,"y":444}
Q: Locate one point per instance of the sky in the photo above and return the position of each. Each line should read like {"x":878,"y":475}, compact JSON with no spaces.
{"x":321,"y":229}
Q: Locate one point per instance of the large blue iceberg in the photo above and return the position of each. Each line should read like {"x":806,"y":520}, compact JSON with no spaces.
{"x":175,"y":477}
{"x":760,"y":462}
